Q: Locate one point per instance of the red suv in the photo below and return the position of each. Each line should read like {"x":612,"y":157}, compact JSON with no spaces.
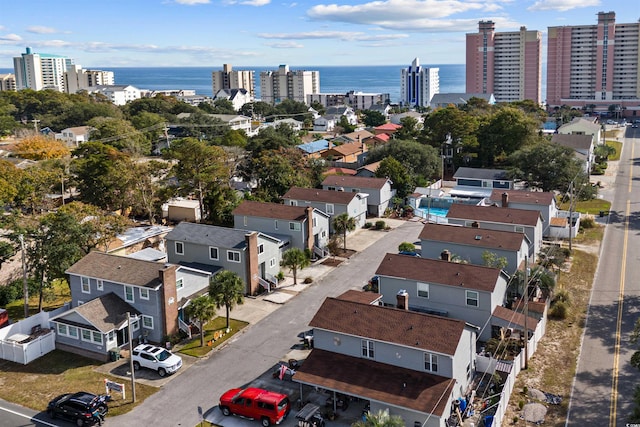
{"x":267,"y":406}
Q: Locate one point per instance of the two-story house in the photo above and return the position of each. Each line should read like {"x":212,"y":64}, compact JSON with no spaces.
{"x":542,"y":201}
{"x":253,"y":256}
{"x":471,"y":244}
{"x":524,"y":221}
{"x":104,"y":287}
{"x":412,"y":364}
{"x":584,"y":126}
{"x":314,"y":149}
{"x":302,"y":227}
{"x":351,"y":154}
{"x":74,"y":136}
{"x":333,"y":203}
{"x":477,"y":183}
{"x":440,"y":287}
{"x":582,"y":145}
{"x":378,"y":189}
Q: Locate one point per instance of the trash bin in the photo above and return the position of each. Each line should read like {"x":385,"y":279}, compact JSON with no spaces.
{"x":114,"y":354}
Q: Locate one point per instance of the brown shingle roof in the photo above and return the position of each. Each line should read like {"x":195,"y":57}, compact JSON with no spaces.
{"x":514,"y":317}
{"x":494,"y":214}
{"x":360,"y":296}
{"x":481,"y":237}
{"x":106,"y":312}
{"x":436,"y":271}
{"x":118,"y":269}
{"x":544,"y":198}
{"x":355,"y":376}
{"x":316,"y":195}
{"x":408,"y":328}
{"x":271,"y":210}
{"x":354,"y":181}
{"x":344,"y":149}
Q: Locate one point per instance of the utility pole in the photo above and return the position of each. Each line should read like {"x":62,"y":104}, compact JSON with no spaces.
{"x":133,"y":380}
{"x":25,"y":284}
{"x":526,"y":312}
{"x":570,"y":215}
{"x":35,"y":124}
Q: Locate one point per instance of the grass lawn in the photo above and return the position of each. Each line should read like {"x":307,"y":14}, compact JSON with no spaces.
{"x":219,"y":324}
{"x":55,"y":297}
{"x":592,"y":207}
{"x":618,"y":146}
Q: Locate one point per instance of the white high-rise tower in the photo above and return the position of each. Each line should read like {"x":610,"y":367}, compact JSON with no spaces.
{"x":418,"y":85}
{"x":39,"y":71}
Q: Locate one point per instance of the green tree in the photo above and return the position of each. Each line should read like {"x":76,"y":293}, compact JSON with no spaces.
{"x":342,"y":224}
{"x":295,"y":259}
{"x":490,"y":259}
{"x":10,"y":176}
{"x":121,"y":134}
{"x":147,"y":191}
{"x":276,"y":171}
{"x":203,"y":309}
{"x":422,"y":162}
{"x":7,"y":250}
{"x":410,"y":128}
{"x":392,"y":169}
{"x":220,"y":202}
{"x":380,"y":419}
{"x":406,"y":247}
{"x":345,"y":125}
{"x":603,"y":151}
{"x":227,"y":289}
{"x":635,"y":336}
{"x":373,"y":118}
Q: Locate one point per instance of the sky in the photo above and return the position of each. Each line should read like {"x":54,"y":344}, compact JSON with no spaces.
{"x":179,"y":33}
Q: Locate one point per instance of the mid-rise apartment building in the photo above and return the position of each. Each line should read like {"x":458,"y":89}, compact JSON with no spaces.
{"x":418,"y":84}
{"x":505,"y":64}
{"x":77,"y":78}
{"x":595,"y":67}
{"x":7,"y":82}
{"x":228,"y":78}
{"x":276,"y":86}
{"x":357,"y":100}
{"x":39,"y":71}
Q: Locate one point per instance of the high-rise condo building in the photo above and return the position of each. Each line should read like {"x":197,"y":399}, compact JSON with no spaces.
{"x":77,"y":78}
{"x":418,"y":85}
{"x":39,"y":71}
{"x":276,"y":86}
{"x":233,"y":79}
{"x":595,"y":67}
{"x":505,"y":64}
{"x":7,"y":82}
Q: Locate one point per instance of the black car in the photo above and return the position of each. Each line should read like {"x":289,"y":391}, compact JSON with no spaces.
{"x":83,"y":408}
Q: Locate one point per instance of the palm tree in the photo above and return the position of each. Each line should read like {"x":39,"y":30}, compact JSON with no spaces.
{"x":343,"y":223}
{"x":380,"y":419}
{"x":202,"y":309}
{"x":295,"y":259}
{"x":226,"y":289}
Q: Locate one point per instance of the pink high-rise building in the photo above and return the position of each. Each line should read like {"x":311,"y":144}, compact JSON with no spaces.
{"x":505,"y":64}
{"x":595,"y":67}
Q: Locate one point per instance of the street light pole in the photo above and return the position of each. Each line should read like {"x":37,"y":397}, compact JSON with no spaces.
{"x":133,"y":380}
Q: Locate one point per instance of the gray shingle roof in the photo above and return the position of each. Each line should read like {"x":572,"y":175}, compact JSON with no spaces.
{"x":494,"y":214}
{"x":105,"y":313}
{"x":361,"y":182}
{"x":479,"y":173}
{"x":316,"y":195}
{"x":118,"y":269}
{"x":209,"y":235}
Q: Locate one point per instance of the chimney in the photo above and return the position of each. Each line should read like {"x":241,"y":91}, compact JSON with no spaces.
{"x":475,"y":224}
{"x":505,"y":200}
{"x":252,"y":262}
{"x":310,"y":239}
{"x":445,"y":255}
{"x":169,"y":299}
{"x":402,"y":298}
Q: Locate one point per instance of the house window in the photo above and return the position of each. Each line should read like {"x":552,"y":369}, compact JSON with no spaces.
{"x":294,"y":226}
{"x":430,"y":362}
{"x":423,"y":290}
{"x":112,"y":335}
{"x":96,"y":337}
{"x":272,"y":262}
{"x":472,"y":298}
{"x":147,"y":322}
{"x":519,"y":229}
{"x":213,"y":253}
{"x":99,"y":285}
{"x":355,"y":190}
{"x":128,"y":294}
{"x":367,"y":349}
{"x":135,"y":324}
{"x":86,"y":335}
{"x":469,"y":223}
{"x":62,"y":329}
{"x":179,"y":283}
{"x":233,"y":256}
{"x":144,"y":293}
{"x":329,"y":208}
{"x":84,"y":283}
{"x":275,"y":224}
{"x":179,"y":248}
{"x":293,"y":202}
{"x":73,"y":332}
{"x":331,"y":188}
{"x":315,"y":222}
{"x":261,"y":248}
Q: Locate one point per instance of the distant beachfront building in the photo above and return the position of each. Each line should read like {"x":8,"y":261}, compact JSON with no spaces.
{"x":7,"y":82}
{"x":356,"y":100}
{"x":418,"y":85}
{"x":595,"y":66}
{"x":276,"y":86}
{"x":118,"y":94}
{"x":39,"y":71}
{"x":506,"y":64}
{"x":77,"y":78}
{"x":228,"y":79}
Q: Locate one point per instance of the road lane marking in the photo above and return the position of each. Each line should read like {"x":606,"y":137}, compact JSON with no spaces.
{"x":34,"y":420}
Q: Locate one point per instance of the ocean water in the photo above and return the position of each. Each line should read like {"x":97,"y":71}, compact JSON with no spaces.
{"x":334,"y":79}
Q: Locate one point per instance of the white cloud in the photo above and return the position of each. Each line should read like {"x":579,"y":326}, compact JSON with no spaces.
{"x":563,"y":5}
{"x":285,"y":45}
{"x":340,"y":35}
{"x":256,"y":3}
{"x":193,"y":2}
{"x":39,"y":29}
{"x":11,"y":38}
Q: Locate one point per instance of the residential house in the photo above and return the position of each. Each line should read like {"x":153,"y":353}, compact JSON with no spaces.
{"x":339,"y":171}
{"x":357,"y":137}
{"x":339,"y":111}
{"x":499,"y":218}
{"x":443,"y":100}
{"x":135,"y":239}
{"x":582,"y":145}
{"x":324,"y":124}
{"x":471,"y":244}
{"x":118,"y":94}
{"x":450,"y":289}
{"x":297,"y":226}
{"x":74,"y":136}
{"x":104,"y":287}
{"x":378,"y":189}
{"x":253,"y":256}
{"x":584,"y":126}
{"x":388,"y":128}
{"x":236,"y":122}
{"x":383,"y":109}
{"x":294,"y":124}
{"x":237,"y":97}
{"x":396,"y":119}
{"x":541,"y":201}
{"x":369,"y":170}
{"x":314,"y":149}
{"x":351,"y":154}
{"x":477,"y":183}
{"x":182,"y":210}
{"x":416,"y":365}
{"x":332,"y":203}
{"x":361,"y":297}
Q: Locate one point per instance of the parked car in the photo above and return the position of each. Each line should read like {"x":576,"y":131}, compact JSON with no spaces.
{"x":156,"y":358}
{"x":410,"y":253}
{"x":258,"y":404}
{"x":83,"y":408}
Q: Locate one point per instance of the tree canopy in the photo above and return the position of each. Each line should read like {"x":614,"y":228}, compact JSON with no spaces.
{"x":227,"y":290}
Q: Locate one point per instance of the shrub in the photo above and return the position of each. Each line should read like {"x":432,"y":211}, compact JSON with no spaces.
{"x":381,"y":225}
{"x":587,"y":222}
{"x":559,"y":310}
{"x":10,"y":292}
{"x":562,"y":296}
{"x":280,"y":275}
{"x":367,"y":225}
{"x":521,"y":404}
{"x":515,"y":419}
{"x":308,"y":280}
{"x":308,"y":253}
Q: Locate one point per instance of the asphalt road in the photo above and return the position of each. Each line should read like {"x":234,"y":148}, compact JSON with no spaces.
{"x":254,"y":352}
{"x":604,"y":383}
{"x":12,"y":415}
